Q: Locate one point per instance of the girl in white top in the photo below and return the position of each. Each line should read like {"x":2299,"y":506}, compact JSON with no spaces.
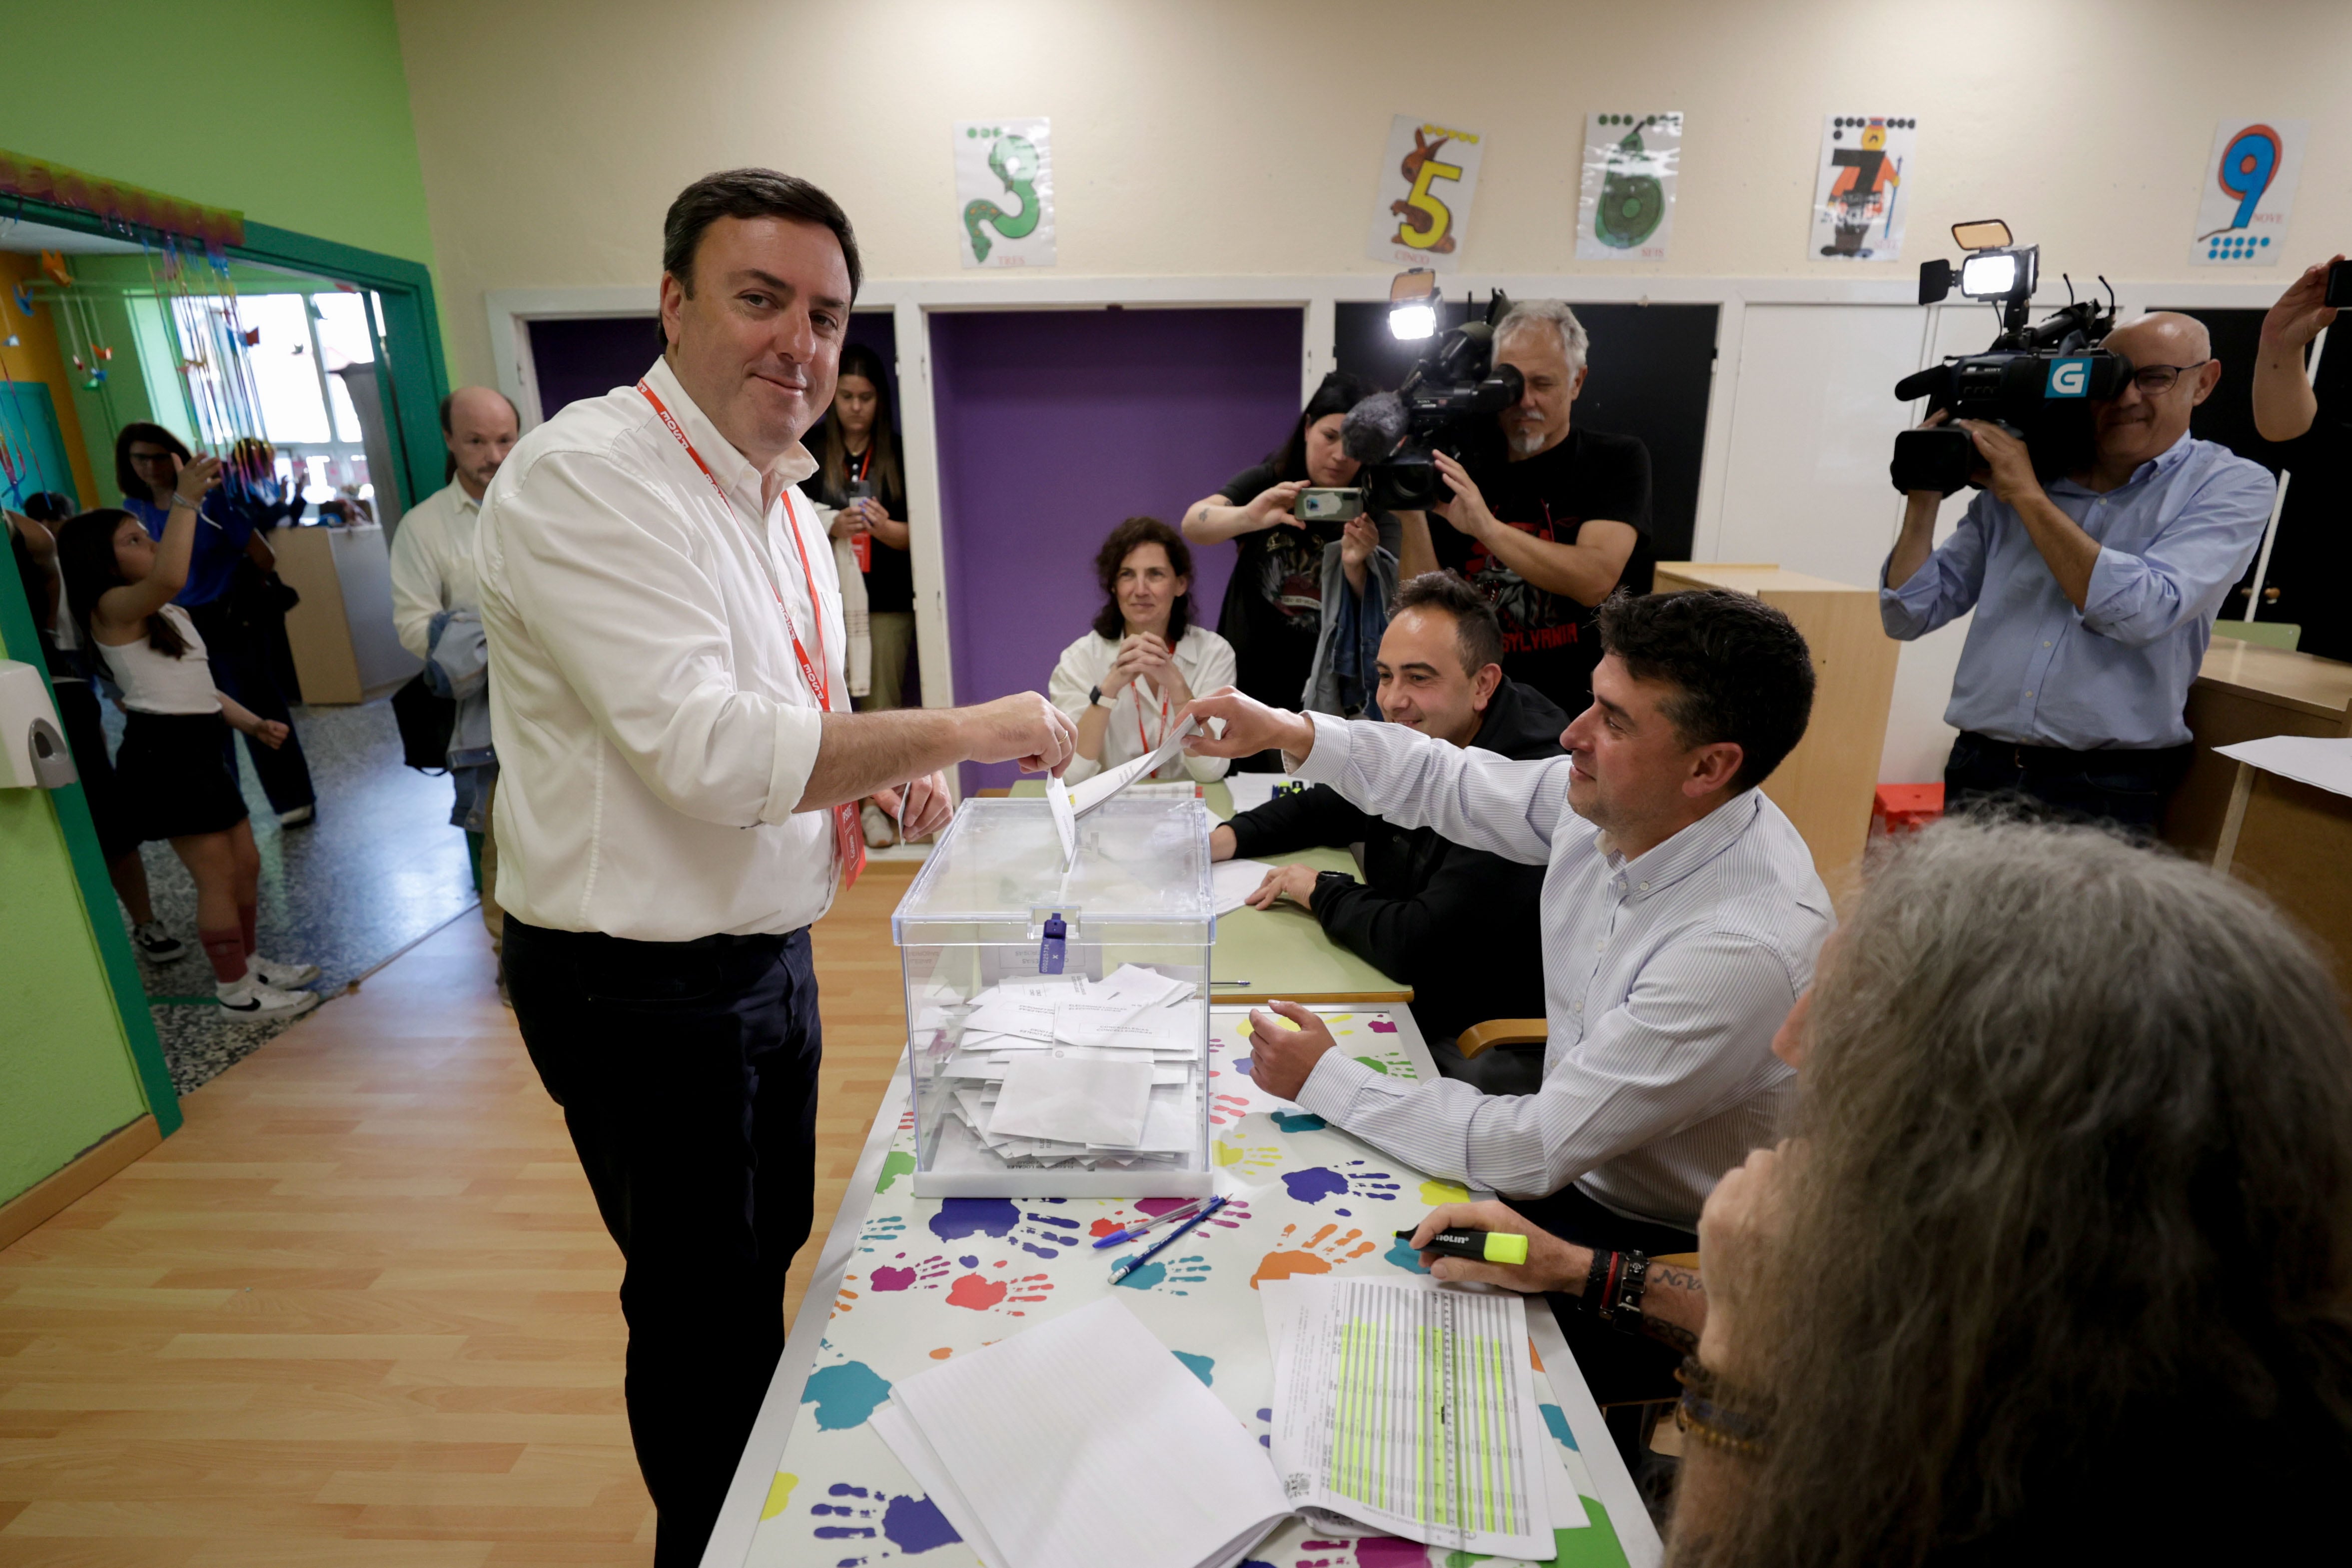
{"x":174,"y":769}
{"x":1127,"y":681}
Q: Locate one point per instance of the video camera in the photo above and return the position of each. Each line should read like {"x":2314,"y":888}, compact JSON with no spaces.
{"x":1397,"y":434}
{"x":2035,"y":381}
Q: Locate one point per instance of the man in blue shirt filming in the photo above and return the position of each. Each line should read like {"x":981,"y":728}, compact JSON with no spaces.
{"x":2094,"y":594}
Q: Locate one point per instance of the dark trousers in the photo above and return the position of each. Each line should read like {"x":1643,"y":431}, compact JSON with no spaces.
{"x":2127,"y":788}
{"x":239,"y":657}
{"x":1618,"y":1367}
{"x":688,"y":1076}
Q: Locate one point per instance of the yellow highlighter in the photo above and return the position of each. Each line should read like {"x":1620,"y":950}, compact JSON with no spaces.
{"x":1502,"y":1246}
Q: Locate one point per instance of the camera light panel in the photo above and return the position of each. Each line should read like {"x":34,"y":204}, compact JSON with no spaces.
{"x":1989,"y":275}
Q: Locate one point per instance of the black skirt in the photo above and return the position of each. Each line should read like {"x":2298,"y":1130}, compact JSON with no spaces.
{"x":173,"y":774}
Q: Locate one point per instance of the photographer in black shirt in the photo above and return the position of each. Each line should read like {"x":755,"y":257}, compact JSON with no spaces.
{"x":1459,"y":925}
{"x":1547,"y":521}
{"x":1287,"y":568}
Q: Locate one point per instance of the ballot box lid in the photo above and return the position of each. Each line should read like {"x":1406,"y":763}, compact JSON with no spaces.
{"x":1141,"y":875}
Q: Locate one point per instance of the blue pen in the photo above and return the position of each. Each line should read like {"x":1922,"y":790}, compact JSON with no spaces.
{"x":1127,"y":1266}
{"x":1154,"y":1223}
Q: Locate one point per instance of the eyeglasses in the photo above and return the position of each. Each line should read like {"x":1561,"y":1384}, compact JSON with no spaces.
{"x":2156,"y":379}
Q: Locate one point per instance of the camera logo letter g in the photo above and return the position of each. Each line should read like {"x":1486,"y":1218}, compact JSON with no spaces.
{"x":2069,"y":378}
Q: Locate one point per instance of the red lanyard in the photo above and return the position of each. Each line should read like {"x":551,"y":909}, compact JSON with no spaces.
{"x":1149,"y":746}
{"x":849,"y":840}
{"x":820,"y":684}
{"x":866,"y":466}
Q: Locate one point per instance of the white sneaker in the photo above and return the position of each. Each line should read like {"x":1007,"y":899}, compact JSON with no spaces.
{"x":248,"y":998}
{"x":280,"y":976}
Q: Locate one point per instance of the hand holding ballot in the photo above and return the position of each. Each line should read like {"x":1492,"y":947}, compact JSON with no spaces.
{"x":1250,"y":727}
{"x":1285,"y":1042}
{"x":1023,"y":728}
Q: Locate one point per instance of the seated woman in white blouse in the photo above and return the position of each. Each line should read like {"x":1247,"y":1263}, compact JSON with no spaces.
{"x":1127,"y":680}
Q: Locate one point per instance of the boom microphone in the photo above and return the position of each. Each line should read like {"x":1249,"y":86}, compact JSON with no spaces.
{"x":1373,"y":428}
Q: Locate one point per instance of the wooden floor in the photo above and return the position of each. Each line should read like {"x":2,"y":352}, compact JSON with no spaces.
{"x":360,"y":1310}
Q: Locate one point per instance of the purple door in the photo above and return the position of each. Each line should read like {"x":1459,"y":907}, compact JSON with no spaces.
{"x":1054,"y":426}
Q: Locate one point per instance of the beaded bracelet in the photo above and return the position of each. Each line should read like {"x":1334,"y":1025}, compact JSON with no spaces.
{"x":1702,"y":1413}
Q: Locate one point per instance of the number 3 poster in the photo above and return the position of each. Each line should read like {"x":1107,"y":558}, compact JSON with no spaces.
{"x":2248,"y":187}
{"x":1427,"y":181}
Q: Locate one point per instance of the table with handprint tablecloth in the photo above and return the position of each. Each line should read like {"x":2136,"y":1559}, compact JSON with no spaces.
{"x":904,"y":1283}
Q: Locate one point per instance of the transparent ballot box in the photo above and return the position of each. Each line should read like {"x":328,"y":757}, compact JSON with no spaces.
{"x":1058,"y":1021}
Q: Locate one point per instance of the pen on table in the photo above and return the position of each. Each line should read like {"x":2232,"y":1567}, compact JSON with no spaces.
{"x":1154,"y":1223}
{"x":1127,"y":1266}
{"x":1228,"y":982}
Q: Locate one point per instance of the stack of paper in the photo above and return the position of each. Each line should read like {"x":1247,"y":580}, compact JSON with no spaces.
{"x":1054,"y":1070}
{"x":1409,"y":1408}
{"x":1079,"y":1442}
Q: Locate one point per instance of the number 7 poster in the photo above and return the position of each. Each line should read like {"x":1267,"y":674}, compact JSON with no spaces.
{"x":1427,"y":181}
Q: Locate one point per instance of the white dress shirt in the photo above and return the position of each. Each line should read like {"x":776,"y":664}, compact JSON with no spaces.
{"x":653,"y":728}
{"x":1203,"y":658}
{"x":1665,"y":977}
{"x":433,"y":564}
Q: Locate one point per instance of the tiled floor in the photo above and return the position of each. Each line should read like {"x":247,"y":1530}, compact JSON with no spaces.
{"x":380,"y":868}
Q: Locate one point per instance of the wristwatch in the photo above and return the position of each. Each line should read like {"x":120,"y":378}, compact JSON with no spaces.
{"x":1094,"y":698}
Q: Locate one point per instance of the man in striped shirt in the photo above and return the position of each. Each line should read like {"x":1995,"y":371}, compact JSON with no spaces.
{"x":1681,"y":915}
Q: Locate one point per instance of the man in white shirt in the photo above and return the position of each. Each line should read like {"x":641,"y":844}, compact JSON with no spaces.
{"x":678,"y":798}
{"x":1681,"y":916}
{"x":433,"y":575}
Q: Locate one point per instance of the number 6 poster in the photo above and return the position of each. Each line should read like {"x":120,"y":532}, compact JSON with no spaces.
{"x":1427,"y":181}
{"x":2248,"y":188}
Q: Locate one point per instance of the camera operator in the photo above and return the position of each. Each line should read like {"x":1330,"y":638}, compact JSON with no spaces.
{"x":1459,"y":925}
{"x":2094,"y":595}
{"x":2286,"y":407}
{"x":1554,"y":523}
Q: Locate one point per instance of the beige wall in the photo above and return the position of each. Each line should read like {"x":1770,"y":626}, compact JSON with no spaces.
{"x":1217,"y":137}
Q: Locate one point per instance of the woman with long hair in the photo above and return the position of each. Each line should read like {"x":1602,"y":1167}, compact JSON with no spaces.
{"x":228,"y":552}
{"x":859,"y":471}
{"x":1294,"y":578}
{"x":1127,"y":679}
{"x":173,"y":771}
{"x":2058,"y":1265}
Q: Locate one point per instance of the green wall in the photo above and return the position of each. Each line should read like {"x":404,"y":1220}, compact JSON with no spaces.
{"x":68,"y":1077}
{"x":298,"y":115}
{"x":313,"y":136}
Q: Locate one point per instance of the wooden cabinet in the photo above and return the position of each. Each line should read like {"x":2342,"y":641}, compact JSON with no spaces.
{"x":1826,"y":785}
{"x":344,"y":647}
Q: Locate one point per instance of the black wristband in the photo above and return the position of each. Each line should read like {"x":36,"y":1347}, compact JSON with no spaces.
{"x":1624,"y":1308}
{"x":1596,"y":1280}
{"x":1094,"y":698}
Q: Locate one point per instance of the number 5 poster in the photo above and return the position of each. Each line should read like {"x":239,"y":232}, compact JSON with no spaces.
{"x":2248,"y":188}
{"x":1427,"y":181}
{"x":1626,"y":210}
{"x":1004,"y":191}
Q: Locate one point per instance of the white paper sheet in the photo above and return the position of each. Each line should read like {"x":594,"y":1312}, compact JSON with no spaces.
{"x":1074,"y":1101}
{"x":1082,"y":1441}
{"x":1086,"y":796}
{"x":1251,"y":791}
{"x":2307,"y":758}
{"x":1231,"y":882}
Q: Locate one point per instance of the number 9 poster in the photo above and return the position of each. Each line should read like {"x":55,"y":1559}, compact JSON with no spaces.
{"x":2247,"y":189}
{"x":1427,"y":181}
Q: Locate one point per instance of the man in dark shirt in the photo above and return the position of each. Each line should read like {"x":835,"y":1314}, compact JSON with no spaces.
{"x":1459,"y":925}
{"x":1548,"y":520}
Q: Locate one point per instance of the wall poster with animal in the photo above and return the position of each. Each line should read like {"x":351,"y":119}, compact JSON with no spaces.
{"x":1858,"y":203}
{"x":1004,"y":192}
{"x":1626,"y":211}
{"x":1427,"y":181}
